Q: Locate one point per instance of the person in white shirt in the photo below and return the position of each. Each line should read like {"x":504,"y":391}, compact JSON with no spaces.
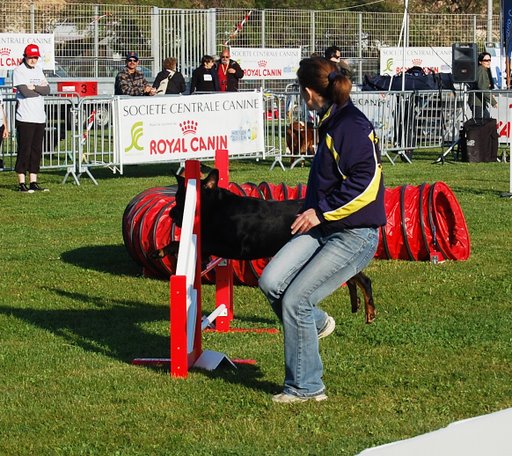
{"x":31,"y":86}
{"x":4,"y":128}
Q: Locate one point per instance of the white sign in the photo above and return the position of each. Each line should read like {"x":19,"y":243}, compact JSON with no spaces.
{"x":267,"y":63}
{"x":435,"y":59}
{"x":12,"y":46}
{"x":178,"y":128}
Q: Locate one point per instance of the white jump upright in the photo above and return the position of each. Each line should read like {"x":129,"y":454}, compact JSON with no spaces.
{"x":186,"y":323}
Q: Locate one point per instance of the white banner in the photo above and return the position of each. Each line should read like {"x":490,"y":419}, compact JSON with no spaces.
{"x":267,"y":63}
{"x":12,"y":46}
{"x":436,"y":59}
{"x":177,"y":128}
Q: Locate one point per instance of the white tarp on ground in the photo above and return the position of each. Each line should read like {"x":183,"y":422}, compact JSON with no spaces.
{"x":487,"y":435}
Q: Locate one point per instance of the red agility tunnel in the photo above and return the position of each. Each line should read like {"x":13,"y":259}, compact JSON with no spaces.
{"x":421,"y":221}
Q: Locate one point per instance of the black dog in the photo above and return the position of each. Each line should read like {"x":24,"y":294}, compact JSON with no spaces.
{"x":246,"y":228}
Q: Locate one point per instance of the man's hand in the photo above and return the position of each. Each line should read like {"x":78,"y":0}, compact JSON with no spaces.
{"x":149,"y":90}
{"x":305,"y":221}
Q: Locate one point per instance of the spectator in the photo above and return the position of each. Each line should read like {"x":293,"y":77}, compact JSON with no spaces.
{"x":479,"y":101}
{"x":130,"y":81}
{"x":204,"y":77}
{"x":229,"y":72}
{"x":333,"y":53}
{"x":169,"y":80}
{"x":4,"y":128}
{"x":31,"y":85}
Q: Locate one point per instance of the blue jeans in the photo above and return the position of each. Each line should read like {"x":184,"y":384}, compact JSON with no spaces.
{"x":307,"y":269}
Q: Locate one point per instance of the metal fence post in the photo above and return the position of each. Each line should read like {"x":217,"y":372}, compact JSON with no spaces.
{"x":155,"y":39}
{"x":212,"y":31}
{"x":96,"y":40}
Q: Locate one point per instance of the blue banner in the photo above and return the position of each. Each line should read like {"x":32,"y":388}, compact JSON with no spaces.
{"x":506,"y":11}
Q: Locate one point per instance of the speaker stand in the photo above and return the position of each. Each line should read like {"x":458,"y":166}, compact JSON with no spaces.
{"x":442,"y":158}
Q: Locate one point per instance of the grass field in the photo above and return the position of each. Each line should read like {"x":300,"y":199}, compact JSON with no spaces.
{"x":74,"y":312}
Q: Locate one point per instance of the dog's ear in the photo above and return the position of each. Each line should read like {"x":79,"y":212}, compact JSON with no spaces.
{"x":205,"y":170}
{"x":212,"y":180}
{"x":180,"y":179}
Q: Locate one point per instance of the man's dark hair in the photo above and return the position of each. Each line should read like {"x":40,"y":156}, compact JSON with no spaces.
{"x":331,"y":51}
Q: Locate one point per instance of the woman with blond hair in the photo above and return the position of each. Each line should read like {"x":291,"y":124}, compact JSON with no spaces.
{"x":336,"y":234}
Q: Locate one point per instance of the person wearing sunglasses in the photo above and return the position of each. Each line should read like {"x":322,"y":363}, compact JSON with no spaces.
{"x":479,"y":101}
{"x":229,"y":72}
{"x":130,"y":81}
{"x":333,"y":53}
{"x":31,"y":87}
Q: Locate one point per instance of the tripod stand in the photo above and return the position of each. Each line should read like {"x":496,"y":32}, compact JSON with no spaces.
{"x":457,"y":143}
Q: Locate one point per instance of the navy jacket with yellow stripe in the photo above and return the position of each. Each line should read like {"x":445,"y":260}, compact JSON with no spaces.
{"x":346,"y":185}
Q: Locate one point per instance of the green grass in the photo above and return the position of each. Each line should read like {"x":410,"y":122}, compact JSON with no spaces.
{"x":74,"y":312}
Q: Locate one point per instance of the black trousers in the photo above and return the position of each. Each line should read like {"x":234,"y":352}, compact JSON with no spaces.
{"x":30,"y":147}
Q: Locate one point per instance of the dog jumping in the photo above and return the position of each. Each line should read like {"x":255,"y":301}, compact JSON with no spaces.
{"x":246,"y":228}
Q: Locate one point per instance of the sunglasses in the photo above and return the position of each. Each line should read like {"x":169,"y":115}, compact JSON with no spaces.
{"x":132,"y":60}
{"x":224,"y":56}
{"x":486,"y":60}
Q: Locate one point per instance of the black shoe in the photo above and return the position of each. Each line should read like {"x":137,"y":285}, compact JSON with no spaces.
{"x":35,"y":187}
{"x":24,"y":189}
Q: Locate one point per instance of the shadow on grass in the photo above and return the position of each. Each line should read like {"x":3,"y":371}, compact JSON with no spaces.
{"x":113,"y":259}
{"x":119,"y":329}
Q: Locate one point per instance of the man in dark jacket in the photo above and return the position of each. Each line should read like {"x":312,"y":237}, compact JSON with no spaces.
{"x":229,"y":72}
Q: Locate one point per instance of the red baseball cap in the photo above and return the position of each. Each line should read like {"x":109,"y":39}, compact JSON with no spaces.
{"x":32,"y":50}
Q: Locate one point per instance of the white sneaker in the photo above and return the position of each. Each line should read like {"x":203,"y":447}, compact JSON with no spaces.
{"x":328,"y":328}
{"x":284,"y":398}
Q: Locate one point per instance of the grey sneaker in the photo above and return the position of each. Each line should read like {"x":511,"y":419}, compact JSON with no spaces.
{"x":24,"y":189}
{"x":328,"y":328}
{"x":284,"y":398}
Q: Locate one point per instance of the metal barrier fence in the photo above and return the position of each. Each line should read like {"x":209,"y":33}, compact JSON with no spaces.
{"x":91,"y":39}
{"x":79,"y":131}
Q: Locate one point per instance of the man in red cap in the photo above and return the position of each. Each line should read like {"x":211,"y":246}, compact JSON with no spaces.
{"x":130,"y":81}
{"x":31,"y":86}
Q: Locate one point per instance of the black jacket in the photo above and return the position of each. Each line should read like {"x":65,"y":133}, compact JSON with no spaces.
{"x":204,"y":80}
{"x":233,"y":78}
{"x":175,"y":85}
{"x":345,"y":185}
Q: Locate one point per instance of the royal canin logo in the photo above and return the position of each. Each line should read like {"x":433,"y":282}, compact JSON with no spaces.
{"x":417,"y":62}
{"x":262,"y":63}
{"x":188,"y":127}
{"x":5,"y":51}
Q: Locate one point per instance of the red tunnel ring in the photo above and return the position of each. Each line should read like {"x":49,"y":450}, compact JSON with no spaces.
{"x":420,"y":220}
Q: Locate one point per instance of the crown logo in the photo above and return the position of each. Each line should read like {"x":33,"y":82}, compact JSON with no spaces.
{"x":262,"y":63}
{"x":5,"y":51}
{"x":188,"y":127}
{"x":417,"y":62}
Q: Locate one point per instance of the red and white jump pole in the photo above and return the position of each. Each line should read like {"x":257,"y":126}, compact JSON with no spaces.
{"x":186,"y":323}
{"x":224,"y":270}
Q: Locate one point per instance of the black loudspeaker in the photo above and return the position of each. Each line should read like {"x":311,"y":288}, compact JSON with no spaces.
{"x":479,"y":141}
{"x":464,"y":62}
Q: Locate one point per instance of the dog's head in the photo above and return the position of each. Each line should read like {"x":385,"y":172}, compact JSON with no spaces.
{"x":209,"y":183}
